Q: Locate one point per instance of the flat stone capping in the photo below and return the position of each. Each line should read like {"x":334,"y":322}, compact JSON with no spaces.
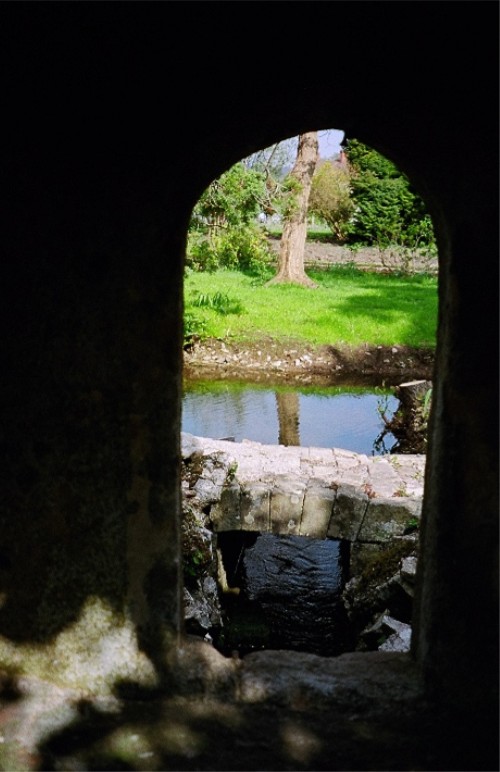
{"x":316,"y":492}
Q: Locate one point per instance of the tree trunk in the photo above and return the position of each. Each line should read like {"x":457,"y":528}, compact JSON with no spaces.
{"x":293,"y":240}
{"x":411,"y":394}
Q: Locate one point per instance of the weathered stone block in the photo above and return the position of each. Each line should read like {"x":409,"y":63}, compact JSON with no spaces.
{"x":409,"y":574}
{"x":388,"y":517}
{"x":397,"y":634}
{"x":207,"y":491}
{"x":328,"y":473}
{"x":317,"y":510}
{"x":226,"y":513}
{"x":217,"y":471}
{"x":190,"y":445}
{"x":285,"y":461}
{"x":297,"y":583}
{"x":384,"y":478}
{"x":356,"y":476}
{"x":352,"y":468}
{"x":287,"y":498}
{"x":319,"y":463}
{"x":255,"y":507}
{"x":411,"y":470}
{"x":348,"y":513}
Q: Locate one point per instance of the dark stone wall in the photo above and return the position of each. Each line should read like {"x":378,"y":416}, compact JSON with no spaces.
{"x":114,"y":120}
{"x":91,"y":346}
{"x":457,"y":619}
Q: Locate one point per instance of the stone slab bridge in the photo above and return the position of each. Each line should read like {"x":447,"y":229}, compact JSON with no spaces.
{"x":306,"y":491}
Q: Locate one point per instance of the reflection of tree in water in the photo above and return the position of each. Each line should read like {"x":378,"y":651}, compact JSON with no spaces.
{"x":238,"y":405}
{"x":288,"y":417}
{"x":379,"y":445}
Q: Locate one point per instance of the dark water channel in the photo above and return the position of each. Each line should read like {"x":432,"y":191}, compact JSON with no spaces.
{"x":284,"y":593}
{"x":341,"y":417}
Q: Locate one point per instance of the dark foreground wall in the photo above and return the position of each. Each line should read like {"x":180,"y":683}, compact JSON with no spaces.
{"x":114,"y":121}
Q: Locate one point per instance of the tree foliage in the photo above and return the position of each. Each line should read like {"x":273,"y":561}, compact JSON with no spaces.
{"x":387,"y":211}
{"x":223,"y":231}
{"x":331,"y":198}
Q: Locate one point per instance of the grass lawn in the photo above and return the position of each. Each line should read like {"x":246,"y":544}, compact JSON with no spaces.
{"x":349,"y":307}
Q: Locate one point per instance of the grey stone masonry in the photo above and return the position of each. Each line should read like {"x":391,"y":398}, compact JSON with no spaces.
{"x":316,"y":492}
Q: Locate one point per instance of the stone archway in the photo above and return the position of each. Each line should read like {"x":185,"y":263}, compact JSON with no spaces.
{"x":100,"y":182}
{"x":433,"y":176}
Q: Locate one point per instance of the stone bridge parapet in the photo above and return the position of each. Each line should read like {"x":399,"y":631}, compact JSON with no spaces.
{"x":306,"y":491}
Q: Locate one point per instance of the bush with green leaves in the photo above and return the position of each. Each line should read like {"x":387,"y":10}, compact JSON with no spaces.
{"x":223,"y":232}
{"x":232,"y":199}
{"x":240,"y":248}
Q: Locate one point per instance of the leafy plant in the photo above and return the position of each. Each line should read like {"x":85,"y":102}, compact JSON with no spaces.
{"x":412,"y":524}
{"x":194,"y":328}
{"x":231,"y":472}
{"x":219,"y":302}
{"x":193,"y":562}
{"x":426,"y":405}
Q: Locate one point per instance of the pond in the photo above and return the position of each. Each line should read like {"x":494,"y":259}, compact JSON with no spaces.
{"x":340,"y":416}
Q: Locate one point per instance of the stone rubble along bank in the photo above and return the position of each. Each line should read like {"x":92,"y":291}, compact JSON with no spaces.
{"x":296,"y":362}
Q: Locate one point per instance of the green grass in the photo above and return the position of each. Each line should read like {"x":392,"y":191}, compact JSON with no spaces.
{"x":349,"y":307}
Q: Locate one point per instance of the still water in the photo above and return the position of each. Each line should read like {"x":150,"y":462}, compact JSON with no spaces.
{"x":340,"y":417}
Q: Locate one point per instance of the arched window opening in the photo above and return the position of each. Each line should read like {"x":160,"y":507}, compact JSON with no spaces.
{"x":346,"y":365}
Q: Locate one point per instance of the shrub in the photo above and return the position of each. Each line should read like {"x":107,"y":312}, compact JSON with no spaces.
{"x":244,"y":248}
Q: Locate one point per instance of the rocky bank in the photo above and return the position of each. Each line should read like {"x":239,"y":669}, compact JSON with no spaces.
{"x":268,"y":360}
